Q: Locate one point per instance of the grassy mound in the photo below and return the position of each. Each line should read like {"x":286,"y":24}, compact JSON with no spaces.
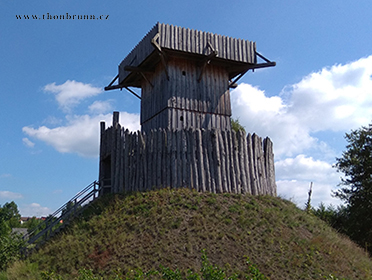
{"x":170,"y":228}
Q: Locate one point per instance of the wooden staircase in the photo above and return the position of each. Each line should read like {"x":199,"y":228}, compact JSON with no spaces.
{"x":61,"y":218}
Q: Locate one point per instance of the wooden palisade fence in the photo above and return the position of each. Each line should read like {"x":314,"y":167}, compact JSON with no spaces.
{"x":214,"y":160}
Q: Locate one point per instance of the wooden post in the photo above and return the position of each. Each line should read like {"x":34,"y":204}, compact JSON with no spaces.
{"x":217,"y":159}
{"x":230,"y":158}
{"x":121,"y":168}
{"x":270,"y":168}
{"x":243,"y":177}
{"x":207,"y":156}
{"x":235,"y":151}
{"x":200,"y":160}
{"x":184,"y":160}
{"x":252,"y":165}
{"x":246,"y":164}
{"x":115,"y":119}
{"x":174,"y":166}
{"x":222,"y":149}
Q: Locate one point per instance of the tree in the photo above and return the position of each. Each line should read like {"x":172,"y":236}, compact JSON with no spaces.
{"x":10,"y":244}
{"x":10,"y":214}
{"x":356,"y":164}
{"x":236,"y":126}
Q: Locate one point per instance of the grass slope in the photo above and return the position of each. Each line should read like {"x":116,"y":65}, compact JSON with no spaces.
{"x":170,"y":228}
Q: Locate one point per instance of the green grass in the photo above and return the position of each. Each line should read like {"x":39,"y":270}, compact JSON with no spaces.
{"x":169,"y":228}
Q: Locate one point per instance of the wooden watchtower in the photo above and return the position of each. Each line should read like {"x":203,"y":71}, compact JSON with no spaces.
{"x":185,"y":76}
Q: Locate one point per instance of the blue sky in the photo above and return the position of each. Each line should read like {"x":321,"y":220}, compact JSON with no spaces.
{"x":53,"y":73}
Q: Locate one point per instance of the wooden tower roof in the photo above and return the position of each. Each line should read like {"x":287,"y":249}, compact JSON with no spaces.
{"x":237,"y":55}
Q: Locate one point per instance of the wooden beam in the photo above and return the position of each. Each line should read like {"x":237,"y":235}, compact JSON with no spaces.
{"x":138,"y":69}
{"x":206,"y":61}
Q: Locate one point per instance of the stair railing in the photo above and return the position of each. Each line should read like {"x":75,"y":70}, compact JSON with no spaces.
{"x":63,"y":214}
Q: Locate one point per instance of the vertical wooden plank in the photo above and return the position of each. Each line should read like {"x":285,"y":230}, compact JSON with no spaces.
{"x":270,"y":168}
{"x":153,"y":159}
{"x":159,"y":151}
{"x":189,"y":159}
{"x":263,"y":178}
{"x":222,"y":147}
{"x":192,"y":146}
{"x":217,"y":159}
{"x":255,"y":147}
{"x":242,"y":162}
{"x":141,"y":169}
{"x":167,"y":158}
{"x":246,"y":164}
{"x":226,"y":139}
{"x":206,"y":155}
{"x":132,"y":161}
{"x":236,"y":161}
{"x":183,"y":160}
{"x":113,"y":159}
{"x":200,"y":160}
{"x":137,"y":168}
{"x":252,"y":165}
{"x":173,"y":159}
{"x":121,"y":168}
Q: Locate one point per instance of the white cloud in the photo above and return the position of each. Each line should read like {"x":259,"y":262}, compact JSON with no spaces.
{"x":294,"y":176}
{"x":297,"y":191}
{"x":268,"y":116}
{"x":71,"y":93}
{"x":5,"y":175}
{"x":100,"y":107}
{"x":28,"y":143}
{"x":338,"y":98}
{"x":10,"y":195}
{"x":335,"y":99}
{"x":306,"y":169}
{"x":34,"y":209}
{"x":81,"y":133}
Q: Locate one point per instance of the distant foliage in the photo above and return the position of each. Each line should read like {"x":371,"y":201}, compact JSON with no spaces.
{"x":10,"y":249}
{"x":10,"y":214}
{"x":236,"y":126}
{"x":10,"y":244}
{"x":356,"y":165}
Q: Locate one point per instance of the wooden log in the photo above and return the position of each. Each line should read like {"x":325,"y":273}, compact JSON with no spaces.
{"x":168,"y":160}
{"x":153,"y":159}
{"x":236,"y":161}
{"x":200,"y":160}
{"x":206,"y":156}
{"x":126,"y":160}
{"x":257,"y":164}
{"x":217,"y":160}
{"x":141,"y":168}
{"x":194,"y":162}
{"x":252,"y":165}
{"x":246,"y":164}
{"x":261,"y":165}
{"x":145,"y":159}
{"x":137,"y":168}
{"x":222,"y":148}
{"x":121,"y":168}
{"x":243,"y":177}
{"x":189,"y":157}
{"x":270,"y":167}
{"x":117,"y":159}
{"x":184,"y":161}
{"x":158,"y":162}
{"x":115,"y":120}
{"x":230,"y":162}
{"x":130,"y":161}
{"x":173,"y":159}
